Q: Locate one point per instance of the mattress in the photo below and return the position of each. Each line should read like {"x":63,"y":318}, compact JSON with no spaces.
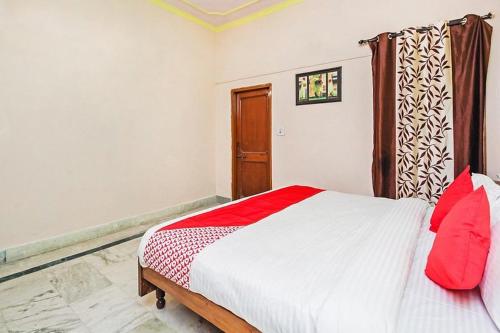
{"x":428,"y":308}
{"x":331,"y":263}
{"x":334,"y":263}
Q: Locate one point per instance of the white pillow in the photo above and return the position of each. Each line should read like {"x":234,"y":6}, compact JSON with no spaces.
{"x":493,"y":192}
{"x":490,"y":285}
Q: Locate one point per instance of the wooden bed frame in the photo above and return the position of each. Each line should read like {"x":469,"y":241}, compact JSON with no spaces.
{"x":222,"y":318}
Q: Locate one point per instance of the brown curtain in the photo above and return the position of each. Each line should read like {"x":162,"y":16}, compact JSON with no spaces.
{"x":384,"y":116}
{"x":471,"y":44}
{"x":470,"y":51}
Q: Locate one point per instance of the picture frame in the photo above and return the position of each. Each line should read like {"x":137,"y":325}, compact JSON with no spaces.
{"x":322,"y":86}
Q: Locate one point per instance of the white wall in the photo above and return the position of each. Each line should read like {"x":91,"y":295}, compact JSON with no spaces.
{"x":98,"y":121}
{"x":97,"y":116}
{"x":328,"y":145}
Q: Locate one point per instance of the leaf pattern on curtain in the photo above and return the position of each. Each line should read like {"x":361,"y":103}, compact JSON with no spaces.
{"x":424,"y":113}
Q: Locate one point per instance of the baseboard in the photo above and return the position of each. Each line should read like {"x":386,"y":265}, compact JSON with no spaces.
{"x":38,"y":247}
{"x":222,"y":200}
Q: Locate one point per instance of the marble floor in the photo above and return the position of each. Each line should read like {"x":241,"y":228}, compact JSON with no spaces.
{"x":94,"y":293}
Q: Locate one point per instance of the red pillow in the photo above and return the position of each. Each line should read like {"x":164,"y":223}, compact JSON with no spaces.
{"x":458,"y":255}
{"x":460,"y":187}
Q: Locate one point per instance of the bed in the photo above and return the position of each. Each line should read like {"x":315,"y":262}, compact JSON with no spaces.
{"x":323,"y":262}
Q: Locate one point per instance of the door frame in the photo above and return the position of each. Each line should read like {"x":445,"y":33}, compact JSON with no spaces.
{"x":234,"y":108}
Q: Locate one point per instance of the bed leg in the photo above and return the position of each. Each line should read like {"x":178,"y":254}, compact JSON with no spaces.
{"x":160,"y":299}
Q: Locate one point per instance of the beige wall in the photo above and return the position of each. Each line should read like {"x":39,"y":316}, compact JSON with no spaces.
{"x":98,"y":120}
{"x":97,"y":116}
{"x":328,"y":145}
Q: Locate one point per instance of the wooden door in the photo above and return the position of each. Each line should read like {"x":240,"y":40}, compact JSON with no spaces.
{"x":251,"y":130}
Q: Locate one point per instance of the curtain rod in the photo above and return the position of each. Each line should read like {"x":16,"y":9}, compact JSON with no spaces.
{"x":462,"y":21}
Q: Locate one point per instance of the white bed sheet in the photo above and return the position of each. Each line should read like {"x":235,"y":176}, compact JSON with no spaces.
{"x":428,"y":308}
{"x":332,"y":263}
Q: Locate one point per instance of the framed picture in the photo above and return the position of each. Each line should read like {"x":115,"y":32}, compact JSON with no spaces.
{"x":324,"y":86}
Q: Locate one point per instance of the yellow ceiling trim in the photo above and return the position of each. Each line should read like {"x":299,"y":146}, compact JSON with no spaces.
{"x":176,"y":11}
{"x":229,"y":25}
{"x":227,"y":12}
{"x":257,"y":15}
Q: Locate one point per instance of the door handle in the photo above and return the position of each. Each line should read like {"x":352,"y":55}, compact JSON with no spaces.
{"x":239,"y":153}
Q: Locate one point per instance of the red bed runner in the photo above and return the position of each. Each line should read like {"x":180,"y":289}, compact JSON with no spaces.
{"x":171,"y":249}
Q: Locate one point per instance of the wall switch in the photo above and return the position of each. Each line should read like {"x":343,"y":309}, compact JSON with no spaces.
{"x":281,"y":131}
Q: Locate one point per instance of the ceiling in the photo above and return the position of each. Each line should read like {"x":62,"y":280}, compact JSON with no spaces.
{"x":217,"y":13}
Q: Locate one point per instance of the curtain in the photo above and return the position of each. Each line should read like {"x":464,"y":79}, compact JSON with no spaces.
{"x":424,"y":133}
{"x":470,"y":54}
{"x":428,"y":101}
{"x":384,"y":115}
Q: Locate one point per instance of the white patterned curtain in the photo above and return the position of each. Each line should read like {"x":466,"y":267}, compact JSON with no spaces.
{"x":424,"y":113}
